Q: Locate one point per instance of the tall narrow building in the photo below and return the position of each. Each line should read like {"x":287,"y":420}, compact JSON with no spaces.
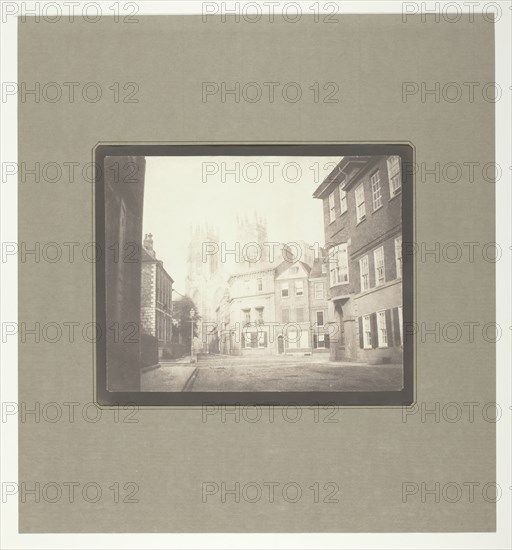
{"x":156,"y":303}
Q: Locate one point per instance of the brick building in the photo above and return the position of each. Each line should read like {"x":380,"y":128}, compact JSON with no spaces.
{"x":292,"y":308}
{"x":362,"y":207}
{"x":156,"y":298}
{"x":302,"y":307}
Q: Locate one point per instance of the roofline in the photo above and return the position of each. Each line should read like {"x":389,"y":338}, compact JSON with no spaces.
{"x":334,"y":176}
{"x":331,"y":178}
{"x":156,"y":261}
{"x":245,"y":273}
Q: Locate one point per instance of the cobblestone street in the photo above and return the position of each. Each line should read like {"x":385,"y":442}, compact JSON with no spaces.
{"x":217,"y":373}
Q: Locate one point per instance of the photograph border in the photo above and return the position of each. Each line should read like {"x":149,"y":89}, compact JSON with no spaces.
{"x":403,"y":397}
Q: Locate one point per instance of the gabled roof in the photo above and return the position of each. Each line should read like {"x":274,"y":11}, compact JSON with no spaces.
{"x":316,"y":270}
{"x":285,"y":266}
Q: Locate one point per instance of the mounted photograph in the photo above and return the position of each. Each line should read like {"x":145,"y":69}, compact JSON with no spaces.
{"x":255,"y":274}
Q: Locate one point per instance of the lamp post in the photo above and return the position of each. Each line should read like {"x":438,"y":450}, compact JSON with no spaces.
{"x":192,"y":313}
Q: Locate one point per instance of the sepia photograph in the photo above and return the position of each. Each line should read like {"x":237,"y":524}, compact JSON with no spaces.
{"x":261,"y":274}
{"x":256,"y":275}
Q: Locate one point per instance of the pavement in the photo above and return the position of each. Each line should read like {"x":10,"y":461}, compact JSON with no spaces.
{"x":226,"y":373}
{"x":168,"y":376}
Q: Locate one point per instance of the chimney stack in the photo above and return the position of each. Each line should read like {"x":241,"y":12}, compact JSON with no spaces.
{"x":148,"y":244}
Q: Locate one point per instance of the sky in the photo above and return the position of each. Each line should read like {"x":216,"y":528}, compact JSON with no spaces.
{"x":180,"y":192}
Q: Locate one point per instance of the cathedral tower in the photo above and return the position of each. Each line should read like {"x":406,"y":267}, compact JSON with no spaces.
{"x":204,"y":272}
{"x":251,"y":234}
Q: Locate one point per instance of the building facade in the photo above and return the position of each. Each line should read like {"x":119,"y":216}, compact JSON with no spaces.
{"x":252,"y":312}
{"x":275,"y":310}
{"x":222,"y":326}
{"x":319,"y":305}
{"x":294,"y":334}
{"x":156,"y":298}
{"x":266,"y":300}
{"x":124,"y":199}
{"x":362,"y":207}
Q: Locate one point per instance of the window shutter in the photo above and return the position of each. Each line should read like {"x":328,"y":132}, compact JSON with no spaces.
{"x":361,"y":336}
{"x":373,"y":325}
{"x":243,"y":339}
{"x":396,"y":327}
{"x":389,"y":327}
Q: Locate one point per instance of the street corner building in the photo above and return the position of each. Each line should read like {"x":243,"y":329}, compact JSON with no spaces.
{"x":362,"y":207}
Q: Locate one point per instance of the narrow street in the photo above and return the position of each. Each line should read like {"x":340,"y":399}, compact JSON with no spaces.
{"x":220,"y":373}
